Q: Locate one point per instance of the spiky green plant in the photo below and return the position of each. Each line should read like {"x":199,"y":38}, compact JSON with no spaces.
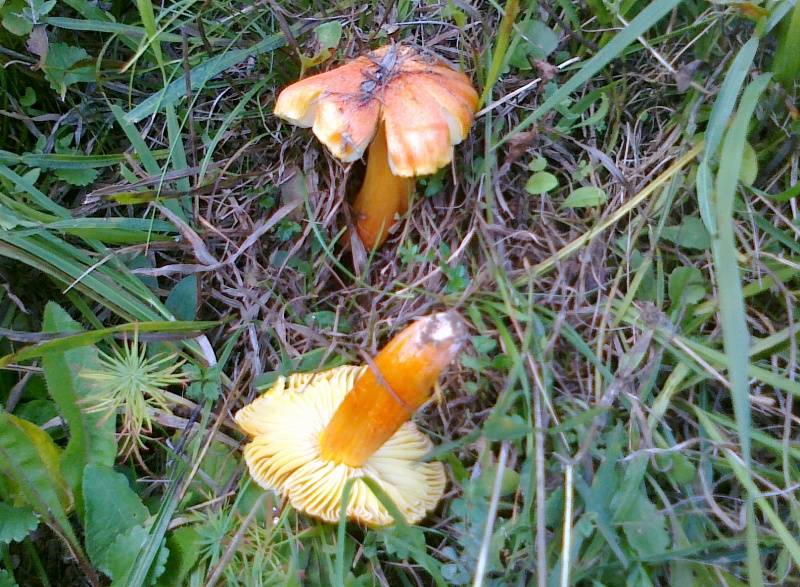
{"x":131,"y":384}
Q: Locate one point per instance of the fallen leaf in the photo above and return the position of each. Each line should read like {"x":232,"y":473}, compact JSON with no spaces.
{"x":38,"y":45}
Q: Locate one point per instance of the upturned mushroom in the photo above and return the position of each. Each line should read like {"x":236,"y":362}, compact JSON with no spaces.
{"x":409,"y":108}
{"x":311,"y":433}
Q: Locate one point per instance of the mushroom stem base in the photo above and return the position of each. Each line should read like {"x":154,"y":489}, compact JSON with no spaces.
{"x":388,"y":392}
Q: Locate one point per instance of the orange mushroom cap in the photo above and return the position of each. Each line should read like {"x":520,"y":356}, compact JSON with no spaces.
{"x":427,"y":108}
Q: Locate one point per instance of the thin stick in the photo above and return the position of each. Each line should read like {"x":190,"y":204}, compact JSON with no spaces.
{"x":566,"y":544}
{"x":187,"y":78}
{"x":284,"y":26}
{"x":483,"y":556}
{"x":541,"y":504}
{"x":525,"y":88}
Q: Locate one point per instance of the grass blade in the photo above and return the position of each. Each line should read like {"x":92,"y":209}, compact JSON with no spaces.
{"x":501,"y":47}
{"x":38,"y":197}
{"x":726,"y":99}
{"x":742,"y":472}
{"x":223,"y":129}
{"x":720,"y":115}
{"x":786,"y":64}
{"x":147,"y":15}
{"x":106,"y":26}
{"x":201,"y":75}
{"x":72,"y":341}
{"x":643,"y":22}
{"x":341,"y":535}
{"x":732,"y":311}
{"x":731,"y":298}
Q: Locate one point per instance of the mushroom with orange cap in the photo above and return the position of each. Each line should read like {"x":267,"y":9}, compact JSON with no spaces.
{"x":312,"y":433}
{"x":409,"y":108}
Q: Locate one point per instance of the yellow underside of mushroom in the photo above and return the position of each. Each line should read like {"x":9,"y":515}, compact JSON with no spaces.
{"x":284,"y":455}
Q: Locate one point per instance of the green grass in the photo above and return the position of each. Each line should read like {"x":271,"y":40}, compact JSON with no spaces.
{"x":624,"y":413}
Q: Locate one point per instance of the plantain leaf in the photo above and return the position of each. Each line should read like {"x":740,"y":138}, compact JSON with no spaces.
{"x":184,"y":550}
{"x":541,"y":182}
{"x":112,"y":509}
{"x":122,"y":554}
{"x":116,"y":525}
{"x":585,"y":197}
{"x":182,"y":300}
{"x":90,"y":439}
{"x":29,"y":460}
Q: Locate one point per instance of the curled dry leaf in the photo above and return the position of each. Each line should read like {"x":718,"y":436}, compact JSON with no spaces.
{"x":38,"y":44}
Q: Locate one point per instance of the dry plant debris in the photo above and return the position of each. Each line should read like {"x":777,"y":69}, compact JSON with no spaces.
{"x":618,"y":231}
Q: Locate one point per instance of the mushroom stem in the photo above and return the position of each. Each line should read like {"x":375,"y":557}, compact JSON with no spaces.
{"x":382,"y":194}
{"x":386,"y":394}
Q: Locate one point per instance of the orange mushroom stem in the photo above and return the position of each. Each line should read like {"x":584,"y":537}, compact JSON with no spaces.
{"x":382,"y":197}
{"x":415,"y":107}
{"x":387,"y":393}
